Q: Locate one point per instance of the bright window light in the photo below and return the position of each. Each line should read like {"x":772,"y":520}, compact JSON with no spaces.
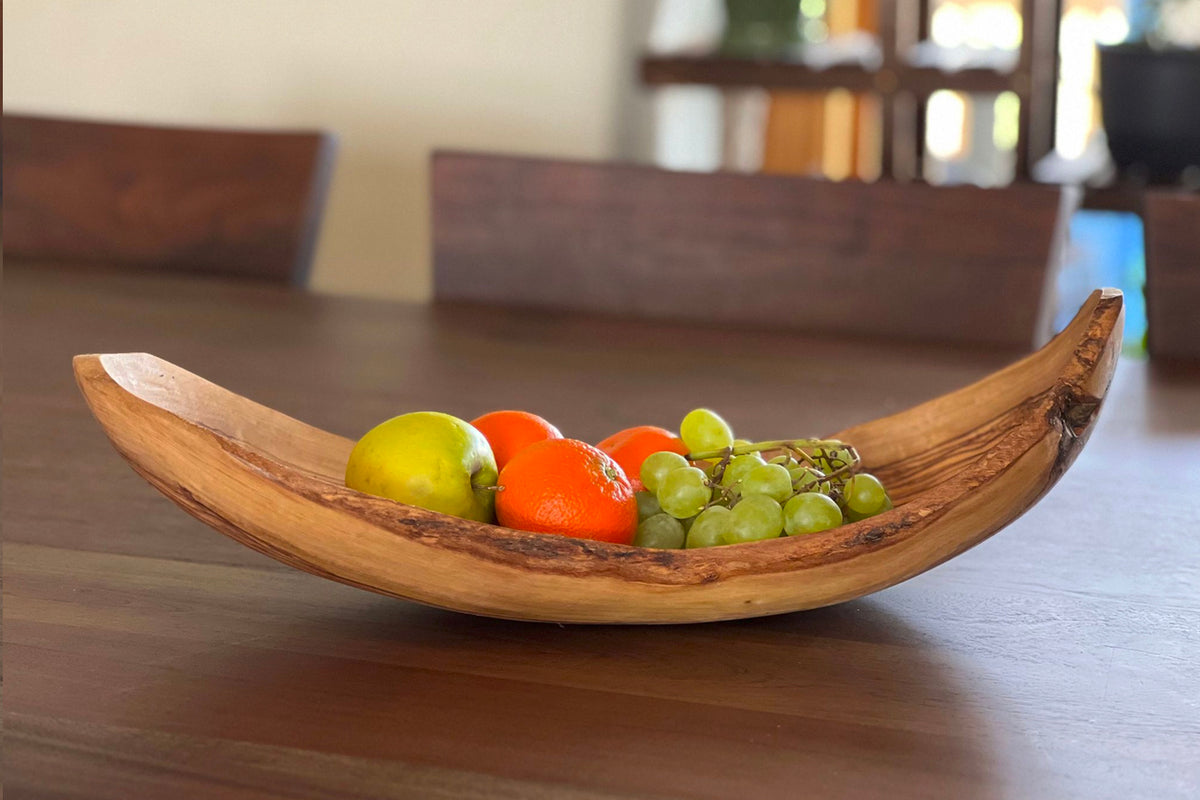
{"x":1112,"y":26}
{"x":1006,"y":121}
{"x":813,"y":9}
{"x":1076,"y":45}
{"x":1075,"y":110}
{"x":948,"y":26}
{"x":946,"y":118}
{"x":993,"y":25}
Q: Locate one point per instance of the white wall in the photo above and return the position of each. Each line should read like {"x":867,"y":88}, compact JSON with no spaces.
{"x":393,"y":78}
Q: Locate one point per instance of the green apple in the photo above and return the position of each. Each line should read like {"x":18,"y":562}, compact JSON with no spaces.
{"x":427,"y":459}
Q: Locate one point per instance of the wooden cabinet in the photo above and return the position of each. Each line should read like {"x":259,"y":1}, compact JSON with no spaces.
{"x":903,"y":88}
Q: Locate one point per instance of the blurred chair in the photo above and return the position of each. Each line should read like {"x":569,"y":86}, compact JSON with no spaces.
{"x":1172,"y":221}
{"x":904,"y":261}
{"x":232,"y":202}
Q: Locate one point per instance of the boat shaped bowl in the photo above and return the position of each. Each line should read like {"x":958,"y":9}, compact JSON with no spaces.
{"x":959,"y":468}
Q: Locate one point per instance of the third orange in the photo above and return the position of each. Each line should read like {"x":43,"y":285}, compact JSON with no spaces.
{"x":510,"y":432}
{"x":630,"y":447}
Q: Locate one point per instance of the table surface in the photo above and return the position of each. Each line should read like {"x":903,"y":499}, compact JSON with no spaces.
{"x":148,"y":656}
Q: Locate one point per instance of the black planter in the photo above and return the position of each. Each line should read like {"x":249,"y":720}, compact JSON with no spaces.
{"x":1151,"y":106}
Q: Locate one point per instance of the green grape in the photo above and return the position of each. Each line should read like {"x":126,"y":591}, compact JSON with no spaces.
{"x":864,"y":494}
{"x":833,"y":459}
{"x":709,"y":528}
{"x":657,"y":465}
{"x":799,"y":471}
{"x":647,"y":505}
{"x":755,"y":517}
{"x":684,"y":492}
{"x":805,"y":479}
{"x":810,"y":512}
{"x":853,"y":516}
{"x":742,"y":442}
{"x":662,"y":531}
{"x":702,"y":431}
{"x":739,"y":466}
{"x":771,"y":480}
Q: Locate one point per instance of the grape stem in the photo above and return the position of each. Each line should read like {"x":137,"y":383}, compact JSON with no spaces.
{"x":795,"y":445}
{"x":829,"y":450}
{"x":718,"y":472}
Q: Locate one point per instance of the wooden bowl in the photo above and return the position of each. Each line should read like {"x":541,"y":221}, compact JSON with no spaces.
{"x":959,"y":468}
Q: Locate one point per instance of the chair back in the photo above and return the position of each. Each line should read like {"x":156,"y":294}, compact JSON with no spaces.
{"x":906,"y":261}
{"x":243,"y":203}
{"x":1172,"y":228}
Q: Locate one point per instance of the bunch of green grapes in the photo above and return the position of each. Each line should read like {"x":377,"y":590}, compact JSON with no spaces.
{"x":727,"y":490}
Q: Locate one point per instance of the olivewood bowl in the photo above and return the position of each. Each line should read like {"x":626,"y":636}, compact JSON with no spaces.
{"x":958,"y":467}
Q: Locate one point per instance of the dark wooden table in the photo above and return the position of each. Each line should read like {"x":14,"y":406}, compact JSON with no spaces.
{"x":147,"y":656}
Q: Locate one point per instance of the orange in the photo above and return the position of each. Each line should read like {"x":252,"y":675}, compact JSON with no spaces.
{"x":510,"y":432}
{"x":630,"y":447}
{"x":568,"y":487}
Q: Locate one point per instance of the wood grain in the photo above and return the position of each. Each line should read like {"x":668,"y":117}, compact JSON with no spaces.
{"x":220,"y":201}
{"x":116,"y":763}
{"x":906,"y":261}
{"x":1172,"y":226}
{"x":145,"y":656}
{"x":742,"y":72}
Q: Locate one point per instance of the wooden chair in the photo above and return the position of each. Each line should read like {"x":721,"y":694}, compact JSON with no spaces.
{"x":234,"y":202}
{"x":1172,"y":228}
{"x":892,"y":260}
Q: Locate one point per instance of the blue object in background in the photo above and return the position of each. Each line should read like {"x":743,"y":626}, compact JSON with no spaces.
{"x":1143,"y":19}
{"x":1106,"y":248}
